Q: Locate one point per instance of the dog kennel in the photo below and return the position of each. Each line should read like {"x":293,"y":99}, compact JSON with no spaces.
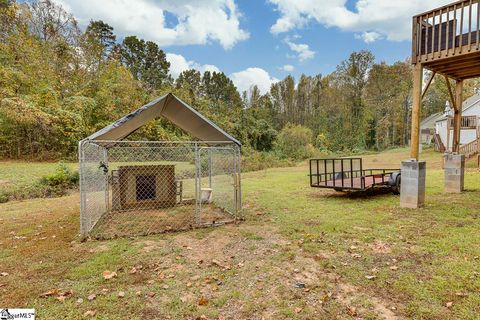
{"x":132,"y":188}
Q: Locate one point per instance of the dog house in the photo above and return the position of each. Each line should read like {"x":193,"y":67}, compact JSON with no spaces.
{"x":132,"y":188}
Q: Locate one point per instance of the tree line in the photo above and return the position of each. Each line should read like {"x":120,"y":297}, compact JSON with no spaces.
{"x":59,"y":84}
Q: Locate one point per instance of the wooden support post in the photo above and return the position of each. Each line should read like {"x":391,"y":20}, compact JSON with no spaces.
{"x":457,"y":118}
{"x":417,"y":104}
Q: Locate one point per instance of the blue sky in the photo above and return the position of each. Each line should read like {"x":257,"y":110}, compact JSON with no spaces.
{"x":261,"y":41}
{"x":268,"y":51}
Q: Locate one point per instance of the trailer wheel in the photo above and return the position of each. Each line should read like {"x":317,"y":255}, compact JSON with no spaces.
{"x":396,"y":187}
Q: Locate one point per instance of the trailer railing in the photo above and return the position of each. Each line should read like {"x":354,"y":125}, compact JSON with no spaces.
{"x":346,"y":173}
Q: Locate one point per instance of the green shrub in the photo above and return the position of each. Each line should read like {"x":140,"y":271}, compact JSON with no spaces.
{"x":62,"y":176}
{"x":295,"y":142}
{"x":3,"y":197}
{"x":254,"y":160}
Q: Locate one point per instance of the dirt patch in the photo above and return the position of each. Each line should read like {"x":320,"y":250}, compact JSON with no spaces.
{"x":347,"y":294}
{"x":379,"y":246}
{"x":149,"y":245}
{"x":272,"y":272}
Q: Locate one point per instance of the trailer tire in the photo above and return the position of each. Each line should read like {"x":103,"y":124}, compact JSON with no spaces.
{"x":397,"y":185}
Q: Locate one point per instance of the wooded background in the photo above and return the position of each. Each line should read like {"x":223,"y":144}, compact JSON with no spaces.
{"x":59,"y":84}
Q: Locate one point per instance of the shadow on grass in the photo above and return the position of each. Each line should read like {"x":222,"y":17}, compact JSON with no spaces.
{"x":357,"y":194}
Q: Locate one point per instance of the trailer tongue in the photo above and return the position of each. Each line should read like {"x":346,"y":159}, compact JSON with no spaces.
{"x":344,"y":174}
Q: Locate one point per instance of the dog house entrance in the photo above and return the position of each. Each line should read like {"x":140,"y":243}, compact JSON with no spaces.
{"x":146,"y":187}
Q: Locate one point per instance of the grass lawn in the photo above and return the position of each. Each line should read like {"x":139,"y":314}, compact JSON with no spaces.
{"x":302,"y":253}
{"x":14,"y":174}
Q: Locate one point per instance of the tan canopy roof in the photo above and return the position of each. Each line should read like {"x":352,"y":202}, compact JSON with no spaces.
{"x":171,"y":108}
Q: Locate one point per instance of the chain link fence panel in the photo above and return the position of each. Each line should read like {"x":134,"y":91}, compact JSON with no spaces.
{"x":131,"y":188}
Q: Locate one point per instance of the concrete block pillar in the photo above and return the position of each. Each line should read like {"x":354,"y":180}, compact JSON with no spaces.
{"x":412,"y":189}
{"x":454,"y":167}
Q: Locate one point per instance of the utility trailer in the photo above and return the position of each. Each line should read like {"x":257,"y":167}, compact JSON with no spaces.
{"x":347,"y":174}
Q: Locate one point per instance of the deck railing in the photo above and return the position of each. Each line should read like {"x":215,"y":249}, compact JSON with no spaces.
{"x":467,"y":122}
{"x":471,"y":148}
{"x":446,"y":31}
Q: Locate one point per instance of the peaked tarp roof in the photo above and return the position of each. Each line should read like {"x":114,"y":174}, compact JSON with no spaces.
{"x":171,"y":108}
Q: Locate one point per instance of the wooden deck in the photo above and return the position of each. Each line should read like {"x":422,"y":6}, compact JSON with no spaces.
{"x":446,"y":40}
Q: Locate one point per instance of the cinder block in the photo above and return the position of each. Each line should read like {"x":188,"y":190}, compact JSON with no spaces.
{"x":412,"y":190}
{"x":454,"y":169}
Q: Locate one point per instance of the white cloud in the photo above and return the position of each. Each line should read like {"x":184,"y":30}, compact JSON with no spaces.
{"x":245,"y":79}
{"x":301,"y":49}
{"x":369,"y":37}
{"x":197,"y":21}
{"x":389,"y":19}
{"x":287,"y":67}
{"x":178,"y":63}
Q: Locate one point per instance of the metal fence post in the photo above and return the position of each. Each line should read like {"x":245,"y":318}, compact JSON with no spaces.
{"x":209,"y":167}
{"x":198,"y":200}
{"x":83,"y":214}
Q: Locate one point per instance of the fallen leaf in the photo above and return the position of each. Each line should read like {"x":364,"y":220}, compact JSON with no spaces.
{"x":49,"y":293}
{"x":92,"y":297}
{"x":107,"y":274}
{"x":90,"y":313}
{"x":151,"y":294}
{"x":189,"y":284}
{"x":165,"y":286}
{"x":202,"y":301}
{"x":217,"y":263}
{"x":449,"y":304}
{"x":79,"y":301}
{"x":133,"y":270}
{"x":121,"y":294}
{"x":4,"y":274}
{"x":352,"y":311}
{"x":64,"y":295}
{"x":138,"y":293}
{"x":370,"y":277}
{"x":298,"y":310}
